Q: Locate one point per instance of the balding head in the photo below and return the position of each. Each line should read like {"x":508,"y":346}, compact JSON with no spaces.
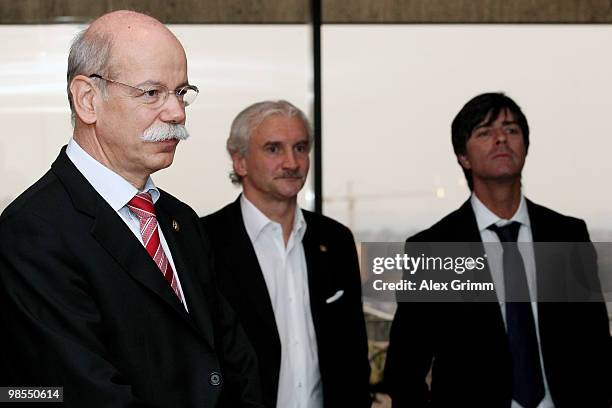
{"x":99,"y":48}
{"x":130,"y":27}
{"x":123,"y":19}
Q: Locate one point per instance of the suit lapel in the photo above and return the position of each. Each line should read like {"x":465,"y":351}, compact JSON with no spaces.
{"x":466,"y":227}
{"x":113,"y":234}
{"x":466,"y":230}
{"x":550,"y":260}
{"x":185,"y":268}
{"x":317,"y":280}
{"x":252,"y":279}
{"x":537,"y":235}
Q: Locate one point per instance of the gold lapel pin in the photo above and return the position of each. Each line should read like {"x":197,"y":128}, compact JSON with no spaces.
{"x":175,"y":225}
{"x":323,"y":248}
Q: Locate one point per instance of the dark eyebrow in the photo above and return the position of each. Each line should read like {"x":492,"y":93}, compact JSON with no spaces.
{"x":504,"y":123}
{"x":509,"y":122}
{"x":480,"y":126}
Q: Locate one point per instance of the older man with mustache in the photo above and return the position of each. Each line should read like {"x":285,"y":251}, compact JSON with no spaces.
{"x":291,"y":275}
{"x":106,"y":280}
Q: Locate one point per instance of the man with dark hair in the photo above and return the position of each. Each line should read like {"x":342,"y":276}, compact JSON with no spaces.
{"x":291,"y":275}
{"x":504,"y":353}
{"x":106,"y":284}
{"x":482,"y":111}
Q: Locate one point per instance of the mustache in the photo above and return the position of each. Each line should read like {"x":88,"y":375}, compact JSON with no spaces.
{"x":291,"y":174}
{"x":160,"y":132}
{"x":499,"y":150}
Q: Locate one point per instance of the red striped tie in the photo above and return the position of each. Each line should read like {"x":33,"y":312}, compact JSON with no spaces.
{"x":142,"y":206}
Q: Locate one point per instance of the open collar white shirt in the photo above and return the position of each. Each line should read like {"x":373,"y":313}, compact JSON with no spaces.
{"x":117,"y":192}
{"x":484,"y":218}
{"x":286,"y":275}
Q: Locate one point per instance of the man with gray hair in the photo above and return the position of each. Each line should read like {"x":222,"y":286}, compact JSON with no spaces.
{"x":291,"y":275}
{"x":106,"y":283}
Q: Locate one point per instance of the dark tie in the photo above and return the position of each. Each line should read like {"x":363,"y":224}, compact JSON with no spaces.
{"x":527,"y":381}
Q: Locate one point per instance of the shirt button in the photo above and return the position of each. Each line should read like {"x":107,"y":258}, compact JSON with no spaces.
{"x":214,"y":379}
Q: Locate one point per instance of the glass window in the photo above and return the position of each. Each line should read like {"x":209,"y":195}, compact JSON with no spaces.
{"x":233,"y":66}
{"x":390,"y":93}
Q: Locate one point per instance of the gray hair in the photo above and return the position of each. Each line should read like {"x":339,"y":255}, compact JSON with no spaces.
{"x":90,"y":53}
{"x":250,"y":118}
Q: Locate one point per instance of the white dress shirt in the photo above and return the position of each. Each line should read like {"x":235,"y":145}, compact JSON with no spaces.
{"x":484,"y":218}
{"x":117,"y":192}
{"x":286,"y":275}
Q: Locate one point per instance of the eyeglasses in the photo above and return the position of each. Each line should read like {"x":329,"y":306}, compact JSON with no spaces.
{"x":156,"y":95}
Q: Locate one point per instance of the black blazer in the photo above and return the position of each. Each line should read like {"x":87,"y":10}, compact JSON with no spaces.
{"x":83,"y":306}
{"x":467,"y":342}
{"x":340,"y":330}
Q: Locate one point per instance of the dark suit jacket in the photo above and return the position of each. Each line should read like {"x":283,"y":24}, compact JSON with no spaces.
{"x":340,"y":330}
{"x":468,"y":345}
{"x":84,"y":306}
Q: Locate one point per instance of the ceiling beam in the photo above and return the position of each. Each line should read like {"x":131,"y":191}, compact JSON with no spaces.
{"x":333,"y":11}
{"x":467,"y":11}
{"x":168,"y":11}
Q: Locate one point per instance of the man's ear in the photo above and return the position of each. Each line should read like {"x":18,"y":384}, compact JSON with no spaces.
{"x":83,"y":95}
{"x":464,"y":161}
{"x":239,"y":163}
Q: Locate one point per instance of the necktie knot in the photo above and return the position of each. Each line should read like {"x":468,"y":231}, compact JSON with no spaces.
{"x":507,"y":233}
{"x":142,"y":205}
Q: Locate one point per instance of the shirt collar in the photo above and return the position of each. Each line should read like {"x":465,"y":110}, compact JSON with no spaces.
{"x":255,"y":221}
{"x":299,"y":223}
{"x":113,"y":188}
{"x":485,"y":217}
